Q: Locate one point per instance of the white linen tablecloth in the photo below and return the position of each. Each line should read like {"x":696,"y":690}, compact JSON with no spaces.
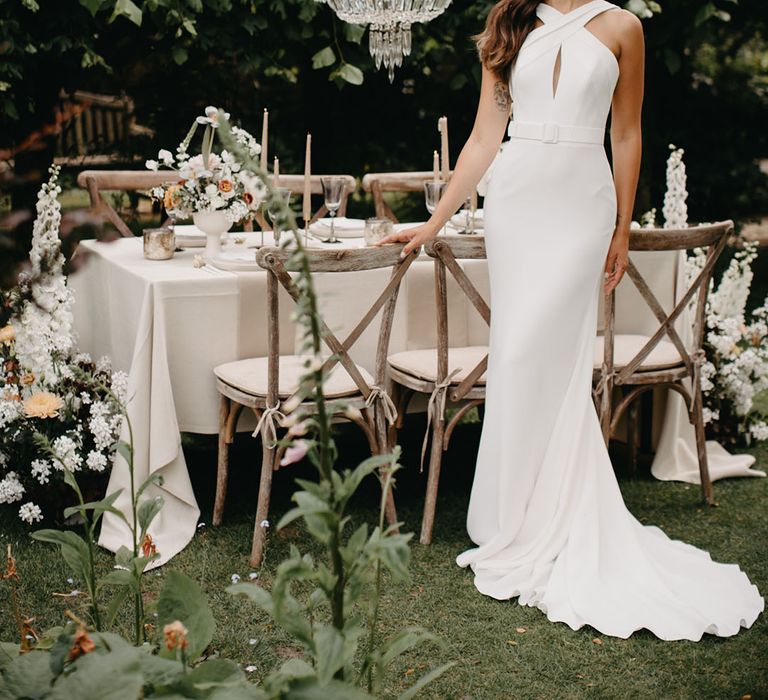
{"x":168,"y":324}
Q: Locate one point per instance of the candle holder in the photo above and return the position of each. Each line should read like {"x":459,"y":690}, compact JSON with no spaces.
{"x":159,"y":243}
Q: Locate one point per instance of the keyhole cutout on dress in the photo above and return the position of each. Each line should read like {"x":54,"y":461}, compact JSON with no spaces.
{"x":556,"y":72}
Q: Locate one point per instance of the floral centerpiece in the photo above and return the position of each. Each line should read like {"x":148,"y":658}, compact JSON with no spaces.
{"x":46,"y":389}
{"x":212,"y":187}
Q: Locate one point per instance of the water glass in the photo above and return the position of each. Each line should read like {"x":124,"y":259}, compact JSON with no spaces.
{"x":333,"y":191}
{"x":433,"y":191}
{"x":376,"y":229}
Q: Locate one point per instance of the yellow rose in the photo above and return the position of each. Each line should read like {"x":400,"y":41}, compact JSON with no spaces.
{"x":7,"y":334}
{"x":42,"y":405}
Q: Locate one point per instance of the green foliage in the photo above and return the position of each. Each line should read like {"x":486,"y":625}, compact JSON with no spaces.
{"x":340,"y":619}
{"x":182,"y":599}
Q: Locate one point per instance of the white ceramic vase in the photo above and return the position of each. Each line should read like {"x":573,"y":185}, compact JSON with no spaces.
{"x":214,"y":224}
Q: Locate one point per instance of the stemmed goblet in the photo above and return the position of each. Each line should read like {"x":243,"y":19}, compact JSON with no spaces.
{"x":333,"y":191}
{"x":282,"y":196}
{"x":433,"y":191}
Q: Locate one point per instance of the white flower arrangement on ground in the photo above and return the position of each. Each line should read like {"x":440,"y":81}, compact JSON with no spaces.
{"x":45,"y":388}
{"x":736,"y":345}
{"x":735,"y":370}
{"x":210,"y":181}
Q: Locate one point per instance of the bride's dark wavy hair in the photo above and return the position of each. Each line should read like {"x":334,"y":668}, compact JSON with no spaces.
{"x":506,"y":27}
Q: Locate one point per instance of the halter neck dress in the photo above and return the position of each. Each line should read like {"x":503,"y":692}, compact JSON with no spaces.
{"x":546,"y":512}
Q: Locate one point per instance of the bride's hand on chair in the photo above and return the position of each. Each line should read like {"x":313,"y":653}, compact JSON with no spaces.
{"x":617,"y":260}
{"x":412,"y":237}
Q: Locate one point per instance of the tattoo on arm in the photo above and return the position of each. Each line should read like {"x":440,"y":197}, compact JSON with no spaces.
{"x":501,"y":96}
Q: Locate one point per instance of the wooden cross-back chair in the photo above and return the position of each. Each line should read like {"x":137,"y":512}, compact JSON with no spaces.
{"x":98,"y":181}
{"x":379,"y":183}
{"x":663,"y":359}
{"x":443,"y":373}
{"x":96,"y":129}
{"x":267,"y":385}
{"x":295,"y":183}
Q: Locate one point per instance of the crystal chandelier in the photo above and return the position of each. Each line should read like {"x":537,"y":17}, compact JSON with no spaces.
{"x":389,"y":25}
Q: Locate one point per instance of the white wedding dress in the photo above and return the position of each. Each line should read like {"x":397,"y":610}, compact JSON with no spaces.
{"x":546,"y":511}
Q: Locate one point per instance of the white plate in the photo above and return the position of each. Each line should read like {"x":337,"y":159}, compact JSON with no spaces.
{"x":344,"y":227}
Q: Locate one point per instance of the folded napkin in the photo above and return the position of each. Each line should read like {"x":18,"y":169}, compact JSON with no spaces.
{"x":460,"y":220}
{"x":344,"y":227}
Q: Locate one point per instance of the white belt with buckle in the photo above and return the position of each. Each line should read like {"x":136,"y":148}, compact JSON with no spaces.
{"x":549,"y":132}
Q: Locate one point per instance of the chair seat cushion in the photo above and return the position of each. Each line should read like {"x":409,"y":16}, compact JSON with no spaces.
{"x":663,"y":356}
{"x":250,"y":376}
{"x":423,"y":363}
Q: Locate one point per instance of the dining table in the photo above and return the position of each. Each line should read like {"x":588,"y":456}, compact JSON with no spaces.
{"x":168,"y":323}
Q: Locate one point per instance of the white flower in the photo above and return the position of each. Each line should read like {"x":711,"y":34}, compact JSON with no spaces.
{"x":10,"y":411}
{"x":10,"y":488}
{"x":30,"y":513}
{"x":104,"y":364}
{"x":759,"y":431}
{"x":675,"y":209}
{"x":235,"y":578}
{"x":41,"y":470}
{"x":152,"y":164}
{"x":66,"y":450}
{"x":165,"y":157}
{"x":120,"y":386}
{"x":237,"y":210}
{"x":253,"y":642}
{"x":44,"y":326}
{"x":96,"y":461}
{"x":211,"y":117}
{"x":250,"y":669}
{"x":253,"y":575}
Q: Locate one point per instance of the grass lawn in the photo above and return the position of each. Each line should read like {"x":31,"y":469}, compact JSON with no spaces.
{"x":502,"y":650}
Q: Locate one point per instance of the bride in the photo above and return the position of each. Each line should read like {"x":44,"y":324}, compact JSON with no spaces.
{"x":546,"y":512}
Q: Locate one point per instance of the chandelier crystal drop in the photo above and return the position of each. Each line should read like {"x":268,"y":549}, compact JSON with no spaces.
{"x":389,"y":24}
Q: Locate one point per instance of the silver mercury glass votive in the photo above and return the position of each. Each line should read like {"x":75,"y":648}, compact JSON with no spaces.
{"x":376,"y":229}
{"x":159,"y":243}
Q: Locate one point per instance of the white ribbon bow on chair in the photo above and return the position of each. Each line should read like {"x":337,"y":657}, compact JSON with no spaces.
{"x":388,"y":406}
{"x":267,"y":424}
{"x":436,"y":408}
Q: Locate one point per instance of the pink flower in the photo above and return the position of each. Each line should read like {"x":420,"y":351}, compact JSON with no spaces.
{"x":295,"y":453}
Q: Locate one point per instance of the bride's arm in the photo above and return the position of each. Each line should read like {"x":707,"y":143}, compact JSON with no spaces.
{"x":476,"y":156}
{"x":626,"y":141}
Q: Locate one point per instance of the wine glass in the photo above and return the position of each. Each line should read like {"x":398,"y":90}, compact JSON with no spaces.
{"x":282,"y":196}
{"x":469,"y":218}
{"x":333,"y":191}
{"x":433,"y":191}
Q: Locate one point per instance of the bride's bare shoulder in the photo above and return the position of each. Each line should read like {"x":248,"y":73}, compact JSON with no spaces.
{"x":626,"y":24}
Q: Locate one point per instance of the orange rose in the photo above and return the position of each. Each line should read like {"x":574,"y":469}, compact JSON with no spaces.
{"x":175,"y":636}
{"x":82,"y":644}
{"x":169,"y":197}
{"x":7,"y":334}
{"x":148,"y":548}
{"x":225,"y":185}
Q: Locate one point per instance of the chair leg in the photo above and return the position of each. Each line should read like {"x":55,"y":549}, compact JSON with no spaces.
{"x":222,"y":462}
{"x":262,"y":506}
{"x":383,"y":447}
{"x":697,"y":419}
{"x":633,"y":434}
{"x":606,"y":412}
{"x":435,"y":462}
